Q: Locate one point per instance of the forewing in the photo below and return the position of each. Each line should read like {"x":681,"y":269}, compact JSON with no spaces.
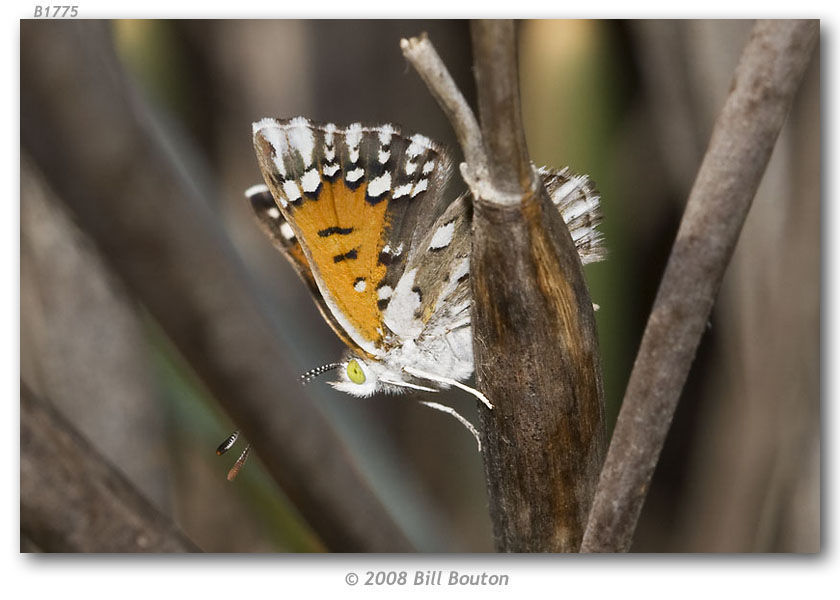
{"x":346,"y":193}
{"x":283,"y":237}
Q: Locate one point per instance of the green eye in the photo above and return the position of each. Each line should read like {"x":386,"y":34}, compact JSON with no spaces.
{"x":354,"y":372}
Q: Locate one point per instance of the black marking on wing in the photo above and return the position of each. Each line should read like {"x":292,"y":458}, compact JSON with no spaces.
{"x":354,"y":185}
{"x":331,"y":178}
{"x":313,"y":195}
{"x":335,"y":231}
{"x":276,"y":178}
{"x":352,"y":255}
{"x":377,"y":200}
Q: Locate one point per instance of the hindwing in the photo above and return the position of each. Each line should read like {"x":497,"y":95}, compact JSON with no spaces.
{"x":434,"y":293}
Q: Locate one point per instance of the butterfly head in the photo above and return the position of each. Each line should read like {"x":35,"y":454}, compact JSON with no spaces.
{"x":357,"y":376}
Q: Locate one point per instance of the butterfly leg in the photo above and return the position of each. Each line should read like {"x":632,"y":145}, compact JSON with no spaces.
{"x":448,"y":381}
{"x":451,"y":411}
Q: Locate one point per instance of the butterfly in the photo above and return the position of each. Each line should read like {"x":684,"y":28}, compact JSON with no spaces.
{"x":361,"y":215}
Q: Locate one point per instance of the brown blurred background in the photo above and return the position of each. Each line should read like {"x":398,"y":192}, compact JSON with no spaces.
{"x":630,"y":103}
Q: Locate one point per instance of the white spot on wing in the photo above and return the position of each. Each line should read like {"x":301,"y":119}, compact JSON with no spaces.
{"x":263,"y":124}
{"x":399,"y":316}
{"x":421,"y":186}
{"x":385,"y":133}
{"x":442,"y":236}
{"x":286,"y":231}
{"x":355,"y":174}
{"x":276,"y":138}
{"x":330,"y":170}
{"x":418,"y":144}
{"x":273,"y":212}
{"x":292,"y":191}
{"x":302,"y":139}
{"x":353,"y":136}
{"x":461,"y":269}
{"x":384,"y":155}
{"x":329,"y":134}
{"x":401,"y":190}
{"x":379,"y":185}
{"x":360,"y":285}
{"x":310,"y":180}
{"x":259,"y":188}
{"x":384,"y":292}
{"x":427,"y":168}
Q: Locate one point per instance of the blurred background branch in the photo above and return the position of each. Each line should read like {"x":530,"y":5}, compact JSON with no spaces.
{"x":764,"y":85}
{"x":72,"y":500}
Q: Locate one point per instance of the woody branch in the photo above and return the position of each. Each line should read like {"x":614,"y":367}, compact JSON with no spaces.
{"x":533,"y":325}
{"x":765,"y":82}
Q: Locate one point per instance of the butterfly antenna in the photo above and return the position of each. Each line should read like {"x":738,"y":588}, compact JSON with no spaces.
{"x":313,"y":373}
{"x":228,"y":443}
{"x":240,"y":462}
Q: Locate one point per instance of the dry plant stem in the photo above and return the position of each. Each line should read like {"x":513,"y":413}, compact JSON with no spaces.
{"x":420,"y":52}
{"x":763,"y":88}
{"x":72,"y":500}
{"x":533,"y":325}
{"x":91,"y":137}
{"x":497,"y":82}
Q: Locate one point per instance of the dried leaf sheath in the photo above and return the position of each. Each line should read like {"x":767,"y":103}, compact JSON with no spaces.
{"x":537,"y":359}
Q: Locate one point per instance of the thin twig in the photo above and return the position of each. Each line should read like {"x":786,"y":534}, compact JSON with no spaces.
{"x":764,"y":85}
{"x":422,"y":55}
